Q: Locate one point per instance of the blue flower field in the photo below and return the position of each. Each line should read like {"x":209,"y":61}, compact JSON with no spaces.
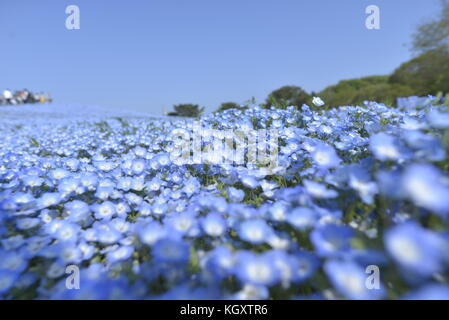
{"x":356,"y":205}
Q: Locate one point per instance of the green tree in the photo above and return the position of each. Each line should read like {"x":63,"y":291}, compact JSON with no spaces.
{"x":433,"y":34}
{"x":426,"y":74}
{"x":229,"y":105}
{"x":356,"y":91}
{"x":187,"y":110}
{"x":288,"y":96}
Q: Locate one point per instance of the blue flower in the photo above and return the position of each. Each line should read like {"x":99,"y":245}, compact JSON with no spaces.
{"x":214,"y":225}
{"x":256,"y":270}
{"x":317,"y":101}
{"x":254,"y":231}
{"x":386,"y":147}
{"x":350,"y":280}
{"x":235,"y":195}
{"x":302,"y":218}
{"x":429,"y":292}
{"x":415,"y":249}
{"x":331,"y":240}
{"x":120,"y":254}
{"x":77,"y":210}
{"x":325,"y":156}
{"x":27,"y":223}
{"x":7,"y":280}
{"x":105,"y":210}
{"x":221,"y":261}
{"x":138,"y":166}
{"x":191,"y":186}
{"x":424,"y":185}
{"x":171,"y":251}
{"x":318,"y":190}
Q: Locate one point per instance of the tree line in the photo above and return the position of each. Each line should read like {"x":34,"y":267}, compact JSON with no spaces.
{"x":425,"y":74}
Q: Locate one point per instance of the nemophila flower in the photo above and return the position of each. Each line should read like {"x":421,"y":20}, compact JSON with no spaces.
{"x":7,"y":280}
{"x":36,"y":244}
{"x":105,"y":210}
{"x":61,"y":191}
{"x":22,"y":198}
{"x":68,"y":185}
{"x":181,"y":222}
{"x":325,"y":156}
{"x":159,"y":208}
{"x":154,"y":185}
{"x":124,"y":183}
{"x":133,"y":199}
{"x":163,"y":159}
{"x":138,"y":183}
{"x":26,"y":280}
{"x":72,"y":164}
{"x":105,"y":166}
{"x":176,"y":194}
{"x":252,"y":292}
{"x":138,"y":166}
{"x":254,"y":231}
{"x":144,"y":209}
{"x":278,"y":210}
{"x":89,"y":181}
{"x":106,"y":234}
{"x":415,"y":249}
{"x":49,"y":199}
{"x":12,"y":261}
{"x":55,"y":270}
{"x":186,"y":292}
{"x":87,"y":250}
{"x":140,"y":152}
{"x":27,"y":223}
{"x":331,"y":240}
{"x":425,"y":185}
{"x":249,"y":181}
{"x":318,"y":190}
{"x":317,"y":101}
{"x":120,"y":225}
{"x":69,"y":253}
{"x":429,"y":292}
{"x":386,"y":147}
{"x":77,"y":210}
{"x":388,"y":184}
{"x":438,"y":119}
{"x":67,"y":231}
{"x":221,"y":261}
{"x":426,"y":146}
{"x":120,"y":254}
{"x":104,"y":193}
{"x":214,"y":225}
{"x":235,"y":195}
{"x":365,"y":188}
{"x":33,"y":181}
{"x":191,"y":186}
{"x":305,"y":265}
{"x":256,"y":269}
{"x":151,"y":232}
{"x":350,"y":280}
{"x":302,"y":218}
{"x":59,"y":174}
{"x":170,"y":250}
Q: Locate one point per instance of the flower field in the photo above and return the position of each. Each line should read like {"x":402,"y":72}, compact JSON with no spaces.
{"x":356,"y":207}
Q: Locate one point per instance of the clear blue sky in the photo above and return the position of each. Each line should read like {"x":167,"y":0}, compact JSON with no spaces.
{"x":146,"y":55}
